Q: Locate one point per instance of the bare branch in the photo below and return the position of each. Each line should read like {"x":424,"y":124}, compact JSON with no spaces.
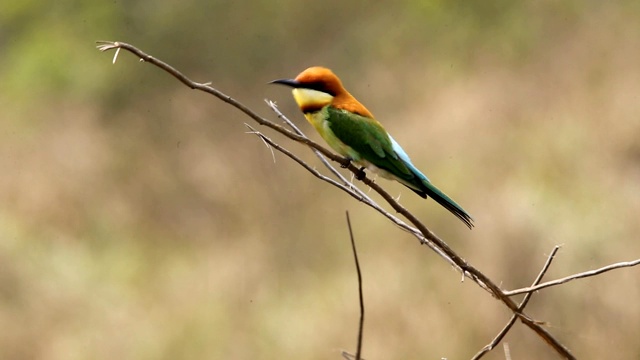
{"x":521,"y":307}
{"x":109,"y":45}
{"x":432,"y":239}
{"x":360,"y":296}
{"x":312,"y":170}
{"x":581,"y":275}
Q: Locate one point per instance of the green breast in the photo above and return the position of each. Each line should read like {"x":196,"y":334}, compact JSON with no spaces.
{"x":322,"y":121}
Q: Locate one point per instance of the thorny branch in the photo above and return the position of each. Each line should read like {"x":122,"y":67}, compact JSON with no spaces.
{"x":424,"y":235}
{"x":522,"y":305}
{"x":466,"y":269}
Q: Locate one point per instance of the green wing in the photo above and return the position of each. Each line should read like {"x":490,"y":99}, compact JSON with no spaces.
{"x":369,"y":139}
{"x":371,"y":142}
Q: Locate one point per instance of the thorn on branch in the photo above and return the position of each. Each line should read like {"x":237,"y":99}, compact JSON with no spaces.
{"x":262,"y":137}
{"x":115,"y":56}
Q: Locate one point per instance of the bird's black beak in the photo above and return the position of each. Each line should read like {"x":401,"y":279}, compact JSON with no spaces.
{"x":288,"y":82}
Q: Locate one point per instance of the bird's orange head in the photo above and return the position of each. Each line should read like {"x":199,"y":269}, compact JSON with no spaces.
{"x":321,"y":79}
{"x":317,"y":87}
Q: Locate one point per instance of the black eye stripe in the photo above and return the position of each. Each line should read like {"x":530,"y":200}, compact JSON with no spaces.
{"x":312,"y":108}
{"x":319,"y":86}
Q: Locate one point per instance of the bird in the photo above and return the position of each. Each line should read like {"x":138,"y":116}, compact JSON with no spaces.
{"x":352,"y":131}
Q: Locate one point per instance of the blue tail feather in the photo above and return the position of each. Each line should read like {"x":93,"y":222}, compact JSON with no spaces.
{"x":423,"y":187}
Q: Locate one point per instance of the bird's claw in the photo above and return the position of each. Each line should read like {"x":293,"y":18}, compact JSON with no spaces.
{"x":361,"y":174}
{"x":345,"y":163}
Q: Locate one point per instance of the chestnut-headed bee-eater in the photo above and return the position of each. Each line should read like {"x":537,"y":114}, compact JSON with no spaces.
{"x":351,"y":130}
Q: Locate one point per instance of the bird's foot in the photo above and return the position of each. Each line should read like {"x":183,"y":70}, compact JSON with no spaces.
{"x":345,"y":163}
{"x":361,"y":174}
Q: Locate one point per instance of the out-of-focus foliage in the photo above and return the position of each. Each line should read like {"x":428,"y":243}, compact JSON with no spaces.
{"x":138,"y":220}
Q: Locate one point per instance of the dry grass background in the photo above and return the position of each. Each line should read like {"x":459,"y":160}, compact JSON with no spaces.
{"x":139,"y":221}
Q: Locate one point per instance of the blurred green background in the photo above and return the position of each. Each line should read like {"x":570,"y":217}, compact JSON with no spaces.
{"x":138,"y":220}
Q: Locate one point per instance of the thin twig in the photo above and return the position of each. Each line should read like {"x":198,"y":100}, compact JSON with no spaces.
{"x":521,"y":307}
{"x":306,"y":166}
{"x":581,"y":275}
{"x":360,"y":296}
{"x":347,"y":355}
{"x":253,"y":131}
